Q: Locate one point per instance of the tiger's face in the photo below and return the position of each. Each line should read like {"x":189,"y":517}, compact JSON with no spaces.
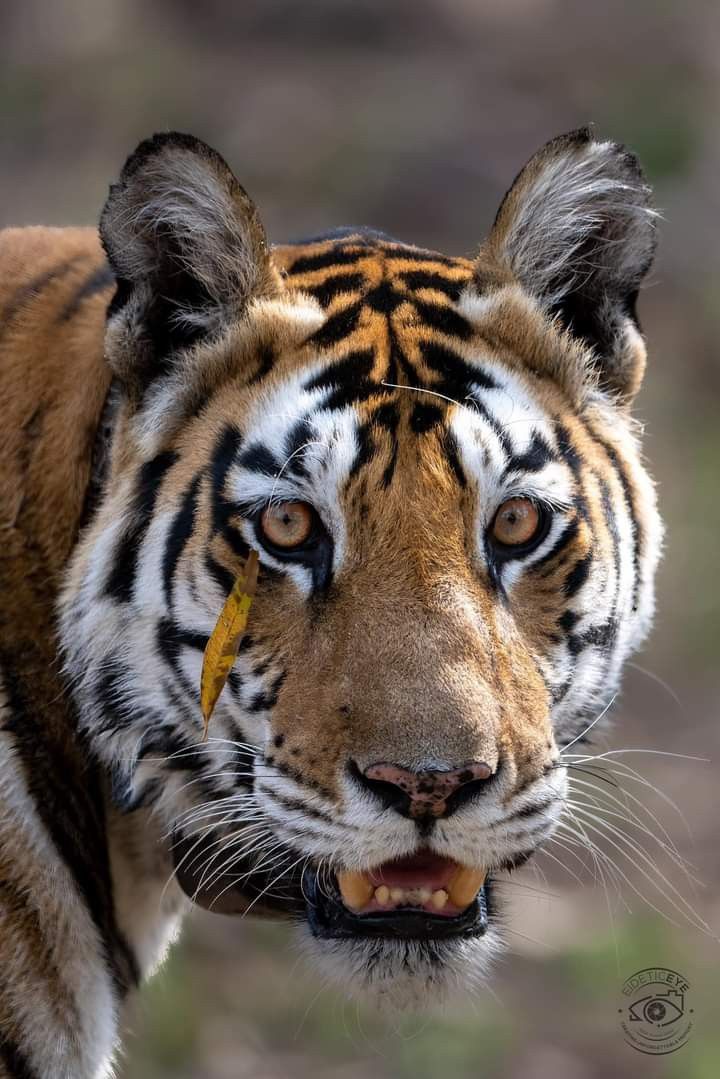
{"x":435,"y":461}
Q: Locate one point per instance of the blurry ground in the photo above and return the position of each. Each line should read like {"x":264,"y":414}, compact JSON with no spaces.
{"x":413,"y":116}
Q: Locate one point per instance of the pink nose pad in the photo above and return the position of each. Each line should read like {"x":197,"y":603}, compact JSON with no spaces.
{"x":428,"y":791}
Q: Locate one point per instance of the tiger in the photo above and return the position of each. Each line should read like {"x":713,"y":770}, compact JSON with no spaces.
{"x":437,"y":462}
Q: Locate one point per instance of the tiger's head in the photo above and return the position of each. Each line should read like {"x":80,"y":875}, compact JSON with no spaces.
{"x":436,"y":461}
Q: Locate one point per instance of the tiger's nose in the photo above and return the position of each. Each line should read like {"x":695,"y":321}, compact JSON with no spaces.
{"x":427,"y":793}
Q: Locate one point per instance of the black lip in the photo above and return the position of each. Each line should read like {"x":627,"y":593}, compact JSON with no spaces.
{"x":249,"y":890}
{"x":329,"y":918}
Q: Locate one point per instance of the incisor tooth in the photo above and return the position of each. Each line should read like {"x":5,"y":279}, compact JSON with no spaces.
{"x":355,"y":889}
{"x":424,"y":895}
{"x":439,"y":899}
{"x":396,"y":894}
{"x":382,"y":894}
{"x":465,"y":885}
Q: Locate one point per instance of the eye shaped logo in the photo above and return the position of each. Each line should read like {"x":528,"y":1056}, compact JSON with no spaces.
{"x":656,"y":1017}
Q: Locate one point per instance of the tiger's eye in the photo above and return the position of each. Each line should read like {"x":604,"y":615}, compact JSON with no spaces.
{"x":516,"y":522}
{"x":287,"y":524}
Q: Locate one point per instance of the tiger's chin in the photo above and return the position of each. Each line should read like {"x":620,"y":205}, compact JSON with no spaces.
{"x":405,"y":975}
{"x":405,"y":935}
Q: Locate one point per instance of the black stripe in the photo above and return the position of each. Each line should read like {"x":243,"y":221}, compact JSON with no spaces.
{"x":577,"y":576}
{"x":65,"y":786}
{"x":325,"y":259}
{"x":16,"y":1064}
{"x":337,"y":326}
{"x":264,"y":701}
{"x":419,"y":279}
{"x":453,"y":455}
{"x":457,"y":377}
{"x":122,"y":575}
{"x":99,"y":280}
{"x":296,"y":439}
{"x":444,"y":319}
{"x":225,"y":454}
{"x":266,"y":362}
{"x":258,"y":458}
{"x":424,"y":417}
{"x":567,"y":450}
{"x":349,"y":379}
{"x":32,"y":290}
{"x":567,"y":535}
{"x":179,"y":534}
{"x":635,"y":525}
{"x":296,"y":805}
{"x":326,"y":291}
{"x":533,"y":459}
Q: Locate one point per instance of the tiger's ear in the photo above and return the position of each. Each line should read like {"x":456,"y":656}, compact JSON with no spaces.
{"x":187,"y":248}
{"x":577,"y":231}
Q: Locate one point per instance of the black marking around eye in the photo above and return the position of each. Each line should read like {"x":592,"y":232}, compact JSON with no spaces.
{"x":567,"y":536}
{"x":121,"y":579}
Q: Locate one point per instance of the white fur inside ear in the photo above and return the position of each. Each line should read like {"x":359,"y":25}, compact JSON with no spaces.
{"x":578,"y":209}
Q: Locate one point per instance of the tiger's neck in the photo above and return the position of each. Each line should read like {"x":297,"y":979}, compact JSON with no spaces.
{"x":54,"y":290}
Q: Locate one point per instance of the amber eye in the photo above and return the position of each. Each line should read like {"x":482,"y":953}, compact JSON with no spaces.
{"x":516,"y":523}
{"x":287,"y":524}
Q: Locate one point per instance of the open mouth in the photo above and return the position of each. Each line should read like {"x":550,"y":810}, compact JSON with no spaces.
{"x":422,"y":896}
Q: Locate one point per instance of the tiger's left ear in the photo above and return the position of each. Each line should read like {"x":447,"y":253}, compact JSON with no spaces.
{"x":188,"y":250}
{"x":577,"y":231}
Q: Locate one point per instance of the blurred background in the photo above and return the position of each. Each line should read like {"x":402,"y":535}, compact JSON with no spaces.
{"x":413,"y":116}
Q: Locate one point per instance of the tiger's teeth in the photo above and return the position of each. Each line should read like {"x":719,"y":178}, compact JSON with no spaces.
{"x":382,"y":894}
{"x":439,"y":898}
{"x":465,"y":885}
{"x":397,"y":894}
{"x":355,"y":889}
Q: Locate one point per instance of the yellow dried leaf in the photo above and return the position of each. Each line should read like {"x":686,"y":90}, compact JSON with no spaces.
{"x":224,"y":641}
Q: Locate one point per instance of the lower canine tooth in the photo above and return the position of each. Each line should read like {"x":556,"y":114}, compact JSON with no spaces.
{"x":465,"y":885}
{"x":382,"y":894}
{"x":439,"y":899}
{"x":355,"y":889}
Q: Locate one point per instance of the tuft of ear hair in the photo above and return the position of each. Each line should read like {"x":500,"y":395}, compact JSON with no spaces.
{"x":187,"y":248}
{"x":577,"y":231}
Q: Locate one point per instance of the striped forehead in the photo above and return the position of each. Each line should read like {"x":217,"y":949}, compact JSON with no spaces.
{"x":297,"y":445}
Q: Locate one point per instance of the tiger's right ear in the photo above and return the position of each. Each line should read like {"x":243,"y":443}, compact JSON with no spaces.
{"x":188,"y":250}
